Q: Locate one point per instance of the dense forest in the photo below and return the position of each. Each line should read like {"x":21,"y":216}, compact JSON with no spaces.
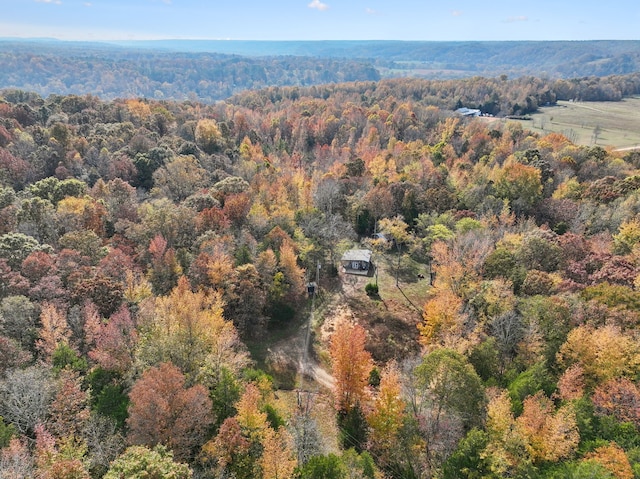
{"x":146,"y":246}
{"x":112,"y":72}
{"x":442,"y":59}
{"x":208,"y":71}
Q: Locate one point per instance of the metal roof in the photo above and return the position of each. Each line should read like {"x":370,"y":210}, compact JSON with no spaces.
{"x":357,"y":255}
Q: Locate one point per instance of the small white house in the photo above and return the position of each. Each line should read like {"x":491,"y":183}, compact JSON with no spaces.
{"x":357,"y":261}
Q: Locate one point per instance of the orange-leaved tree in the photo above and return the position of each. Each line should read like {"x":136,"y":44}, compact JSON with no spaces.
{"x":54,"y":330}
{"x":613,"y":458}
{"x":549,"y":435}
{"x":352,"y":364}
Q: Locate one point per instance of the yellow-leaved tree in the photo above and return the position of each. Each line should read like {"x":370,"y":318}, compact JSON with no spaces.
{"x":188,"y":329}
{"x":387,"y":417}
{"x":444,"y":322}
{"x":603,"y":353}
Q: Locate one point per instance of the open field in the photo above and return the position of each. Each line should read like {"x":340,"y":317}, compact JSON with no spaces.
{"x":615,"y":124}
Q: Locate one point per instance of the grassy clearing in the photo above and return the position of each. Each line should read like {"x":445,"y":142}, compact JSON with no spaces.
{"x":390,"y":319}
{"x":614,"y":123}
{"x":410,"y":290}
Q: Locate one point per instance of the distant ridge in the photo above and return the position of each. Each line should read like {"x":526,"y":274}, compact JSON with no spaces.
{"x":431,"y":59}
{"x":211,"y":70}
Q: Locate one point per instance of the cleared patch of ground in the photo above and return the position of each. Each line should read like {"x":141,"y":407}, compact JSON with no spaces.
{"x":611,"y":123}
{"x":390,"y":320}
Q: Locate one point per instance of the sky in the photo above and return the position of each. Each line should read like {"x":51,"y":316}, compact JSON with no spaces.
{"x":422,"y":20}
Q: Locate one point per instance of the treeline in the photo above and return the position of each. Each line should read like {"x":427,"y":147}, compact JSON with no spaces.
{"x":111,"y":72}
{"x":573,"y":70}
{"x":496,"y":96}
{"x":144,"y":242}
{"x":557,"y":59}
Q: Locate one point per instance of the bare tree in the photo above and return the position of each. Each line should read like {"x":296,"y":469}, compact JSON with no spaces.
{"x":25,"y":396}
{"x":328,"y":196}
{"x":596,"y":134}
{"x":508,"y":329}
{"x":304,"y":429}
{"x":104,"y":440}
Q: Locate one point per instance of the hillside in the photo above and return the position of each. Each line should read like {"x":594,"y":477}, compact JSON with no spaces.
{"x":155,"y":257}
{"x":564,"y":59}
{"x":215,"y":70}
{"x":112,"y":72}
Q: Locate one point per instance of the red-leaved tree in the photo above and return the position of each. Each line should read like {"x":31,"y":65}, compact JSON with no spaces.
{"x":164,"y":411}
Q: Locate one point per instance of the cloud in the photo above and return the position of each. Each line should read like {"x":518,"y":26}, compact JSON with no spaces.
{"x":88,"y":4}
{"x":371,"y":11}
{"x":520,"y":18}
{"x":53,"y":2}
{"x":456,"y":13}
{"x":318,"y":5}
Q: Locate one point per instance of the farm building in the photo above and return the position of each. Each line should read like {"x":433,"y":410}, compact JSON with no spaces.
{"x":357,"y":261}
{"x":468,"y":111}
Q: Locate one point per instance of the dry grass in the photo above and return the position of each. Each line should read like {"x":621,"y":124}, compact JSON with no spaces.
{"x":618,"y":122}
{"x":389,"y":319}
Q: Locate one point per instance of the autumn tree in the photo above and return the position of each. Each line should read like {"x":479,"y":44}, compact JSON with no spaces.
{"x":16,"y":461}
{"x":164,"y":411}
{"x":138,"y":462}
{"x":59,"y":460}
{"x":351,"y":364}
{"x":571,"y":383}
{"x":505,"y":450}
{"x":603,"y":353}
{"x":387,"y":417}
{"x":165,"y":269}
{"x":293,"y":275}
{"x":114,"y":341}
{"x":613,"y":458}
{"x":549,"y":435}
{"x":238,"y":446}
{"x":12,"y":355}
{"x":119,"y":198}
{"x":208,"y":136}
{"x":37,"y":265}
{"x":69,"y":410}
{"x":246,"y":303}
{"x":231,"y":451}
{"x":278,"y":459}
{"x":458,"y":264}
{"x":54,"y":330}
{"x":75,"y":213}
{"x":188,"y":329}
{"x":620,"y":398}
{"x":520,"y":184}
{"x":627,"y":238}
{"x":443,"y":322}
{"x":236,"y":208}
